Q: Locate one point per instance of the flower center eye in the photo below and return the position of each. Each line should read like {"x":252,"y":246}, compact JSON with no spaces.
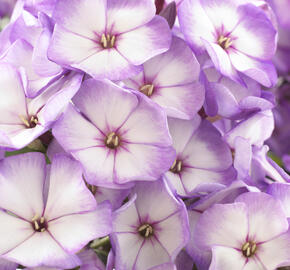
{"x":249,"y":249}
{"x":147,"y":89}
{"x":145,"y":230}
{"x":31,"y":122}
{"x":112,"y":140}
{"x":176,"y":166}
{"x":224,"y":42}
{"x":39,"y":224}
{"x":108,"y":41}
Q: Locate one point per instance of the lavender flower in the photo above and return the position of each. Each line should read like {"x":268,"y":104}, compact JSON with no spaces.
{"x":47,"y":214}
{"x":22,"y":119}
{"x":154,"y":222}
{"x":238,"y":36}
{"x":242,"y":236}
{"x":203,"y":160}
{"x":107,"y":38}
{"x":171,"y":80}
{"x":117,"y":136}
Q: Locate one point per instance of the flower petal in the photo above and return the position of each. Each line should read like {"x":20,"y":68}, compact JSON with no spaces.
{"x":42,"y":249}
{"x":74,"y":132}
{"x":227,"y":258}
{"x":85,"y":17}
{"x":105,"y":104}
{"x":85,"y":227}
{"x":22,"y":179}
{"x":13,"y":231}
{"x":141,"y":162}
{"x":260,"y":207}
{"x":225,"y":225}
{"x":68,"y":193}
{"x":255,"y":34}
{"x":128,"y":14}
{"x":145,"y":42}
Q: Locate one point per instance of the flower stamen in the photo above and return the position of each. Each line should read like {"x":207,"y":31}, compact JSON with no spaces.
{"x":108,"y":41}
{"x":145,"y":230}
{"x":147,"y":89}
{"x":176,"y":166}
{"x":31,"y":122}
{"x":224,"y":42}
{"x":249,"y":249}
{"x":112,"y":140}
{"x":39,"y":224}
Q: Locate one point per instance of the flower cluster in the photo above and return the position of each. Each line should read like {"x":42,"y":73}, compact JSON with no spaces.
{"x":144,"y":135}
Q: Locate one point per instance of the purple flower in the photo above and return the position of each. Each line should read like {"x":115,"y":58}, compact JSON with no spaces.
{"x":22,"y":119}
{"x":238,"y":38}
{"x":251,"y":233}
{"x":203,"y":159}
{"x":26,"y":46}
{"x":47,"y":213}
{"x":107,"y":38}
{"x":117,"y":136}
{"x":153,"y":223}
{"x":171,"y":80}
{"x":226,"y":98}
{"x":7,"y":265}
{"x":6,"y":7}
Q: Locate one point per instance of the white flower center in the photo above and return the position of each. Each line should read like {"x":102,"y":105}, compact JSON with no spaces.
{"x":108,"y":41}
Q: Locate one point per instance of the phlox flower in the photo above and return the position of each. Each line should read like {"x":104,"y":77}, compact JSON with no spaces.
{"x":153,"y":224}
{"x":203,"y":160}
{"x":249,"y":234}
{"x":47,"y":213}
{"x":107,"y":38}
{"x":171,"y":80}
{"x":119,"y":137}
{"x":238,"y":36}
{"x":23,"y":119}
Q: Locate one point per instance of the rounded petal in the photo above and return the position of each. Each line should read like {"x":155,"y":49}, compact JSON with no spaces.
{"x":145,"y":42}
{"x":147,"y":124}
{"x":68,"y":193}
{"x":177,"y":66}
{"x":207,"y":150}
{"x":42,"y":249}
{"x":84,"y":227}
{"x":281,"y":192}
{"x":13,"y":103}
{"x":141,"y":162}
{"x":227,"y":258}
{"x":105,"y":104}
{"x":182,"y":101}
{"x":181,"y":131}
{"x":13,"y":232}
{"x":195,"y":23}
{"x":224,"y":225}
{"x":255,"y":34}
{"x":22,"y":179}
{"x":129,"y":14}
{"x":260,"y":207}
{"x":263,"y":72}
{"x":275,"y":252}
{"x":74,"y":132}
{"x":84,"y":18}
{"x":151,"y":253}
